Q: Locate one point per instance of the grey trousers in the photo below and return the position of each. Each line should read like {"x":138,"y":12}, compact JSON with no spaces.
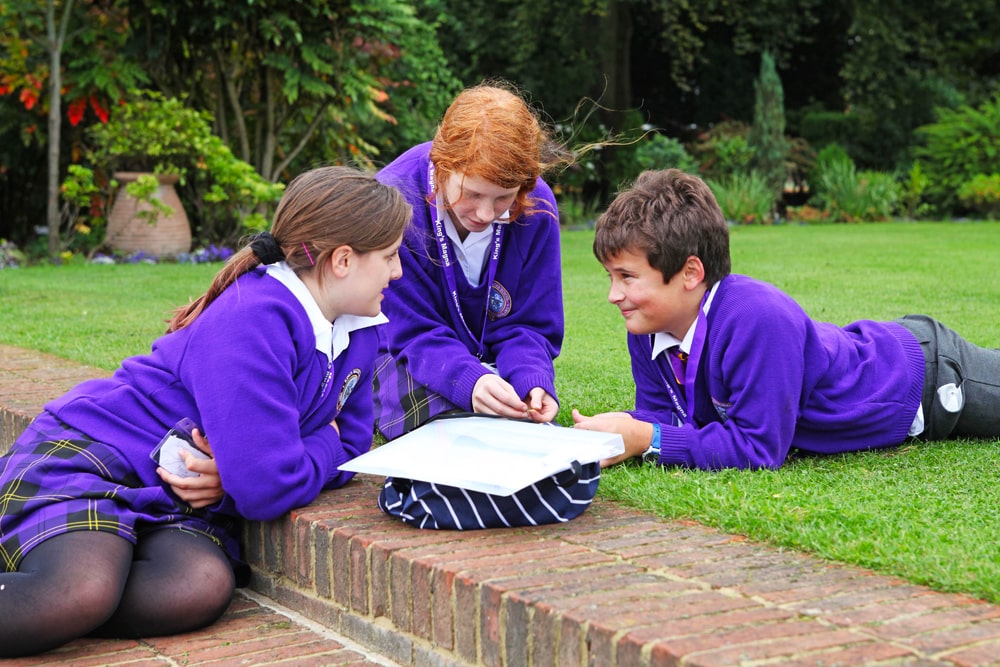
{"x":961,"y":382}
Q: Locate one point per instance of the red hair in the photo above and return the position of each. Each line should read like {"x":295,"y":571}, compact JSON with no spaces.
{"x":489,"y":131}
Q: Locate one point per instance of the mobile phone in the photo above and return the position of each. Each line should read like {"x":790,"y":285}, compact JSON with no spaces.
{"x":168,"y":453}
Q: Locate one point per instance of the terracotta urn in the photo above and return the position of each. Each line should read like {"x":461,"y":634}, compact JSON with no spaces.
{"x":162,"y":235}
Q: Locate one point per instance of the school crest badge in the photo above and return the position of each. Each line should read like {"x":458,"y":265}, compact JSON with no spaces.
{"x":499,"y":301}
{"x":350,"y":382}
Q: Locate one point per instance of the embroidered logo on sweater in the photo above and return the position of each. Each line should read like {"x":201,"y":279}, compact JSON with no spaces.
{"x":350,"y":382}
{"x":499,"y":303}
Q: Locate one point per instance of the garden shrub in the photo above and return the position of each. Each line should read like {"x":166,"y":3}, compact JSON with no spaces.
{"x":723,"y":150}
{"x":982,"y":194}
{"x":10,"y":256}
{"x":744,"y":197}
{"x":912,"y":194}
{"x":806,"y":213}
{"x":658,"y":151}
{"x":962,"y":144}
{"x":153,"y":133}
{"x":821,"y":128}
{"x":849,"y":195}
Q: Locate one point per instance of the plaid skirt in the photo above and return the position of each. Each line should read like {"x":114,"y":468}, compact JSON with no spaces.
{"x":56,"y":480}
{"x":401,"y":404}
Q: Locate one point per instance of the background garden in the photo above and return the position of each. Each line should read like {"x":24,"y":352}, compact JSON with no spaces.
{"x":795,"y":110}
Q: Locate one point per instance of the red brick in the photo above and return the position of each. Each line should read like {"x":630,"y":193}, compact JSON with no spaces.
{"x":952,"y":638}
{"x":937,"y":620}
{"x":536,"y":586}
{"x":442,"y":601}
{"x":775,"y":641}
{"x":572,"y":650}
{"x":358,"y":577}
{"x":340,"y":560}
{"x":305,"y":558}
{"x":544,"y":636}
{"x":853,"y":593}
{"x":864,"y":654}
{"x":399,"y":592}
{"x":891,"y":611}
{"x":976,"y":656}
{"x":466,"y":620}
{"x":421,"y":623}
{"x":489,"y":627}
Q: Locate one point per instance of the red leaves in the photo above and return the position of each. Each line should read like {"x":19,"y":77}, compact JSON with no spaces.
{"x":28,"y":97}
{"x":100,"y":110}
{"x":75,"y":109}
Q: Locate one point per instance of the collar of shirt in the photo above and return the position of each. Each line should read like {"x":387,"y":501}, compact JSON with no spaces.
{"x":331,"y":339}
{"x":662,"y":341}
{"x":470,"y":253}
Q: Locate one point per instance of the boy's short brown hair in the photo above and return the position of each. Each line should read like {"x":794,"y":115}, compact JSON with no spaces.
{"x":669,"y":215}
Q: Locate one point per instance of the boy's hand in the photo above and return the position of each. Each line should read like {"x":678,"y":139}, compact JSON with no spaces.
{"x":493,"y":395}
{"x":200,"y":491}
{"x":542,"y":406}
{"x":636,"y":434}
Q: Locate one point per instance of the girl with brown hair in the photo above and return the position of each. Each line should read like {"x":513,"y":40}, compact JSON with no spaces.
{"x":274,"y":361}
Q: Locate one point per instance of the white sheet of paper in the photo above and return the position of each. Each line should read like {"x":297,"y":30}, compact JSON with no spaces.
{"x":498,"y":456}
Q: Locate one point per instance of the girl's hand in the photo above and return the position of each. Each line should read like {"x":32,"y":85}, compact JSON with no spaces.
{"x":542,"y":406}
{"x":493,"y":395}
{"x":202,"y":490}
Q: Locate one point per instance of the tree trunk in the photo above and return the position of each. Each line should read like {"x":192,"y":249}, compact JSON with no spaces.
{"x":54,"y":46}
{"x":616,"y":98}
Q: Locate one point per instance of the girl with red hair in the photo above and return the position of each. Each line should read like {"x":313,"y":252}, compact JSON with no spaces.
{"x":477,"y":319}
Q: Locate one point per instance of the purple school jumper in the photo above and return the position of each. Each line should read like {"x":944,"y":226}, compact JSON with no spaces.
{"x":440,"y":347}
{"x":247,"y":372}
{"x":768,"y":378}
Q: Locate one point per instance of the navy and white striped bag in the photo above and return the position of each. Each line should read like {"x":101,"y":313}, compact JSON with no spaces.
{"x":561,"y":497}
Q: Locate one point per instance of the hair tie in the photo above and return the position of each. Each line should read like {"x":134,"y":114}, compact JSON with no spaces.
{"x":266,"y":248}
{"x":311,"y":262}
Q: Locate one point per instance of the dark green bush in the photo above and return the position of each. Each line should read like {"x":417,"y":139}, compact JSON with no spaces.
{"x":962,"y":144}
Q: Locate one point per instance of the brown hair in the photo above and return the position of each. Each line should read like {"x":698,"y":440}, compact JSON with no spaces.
{"x":321,"y":210}
{"x":489,"y":131}
{"x":669,"y":215}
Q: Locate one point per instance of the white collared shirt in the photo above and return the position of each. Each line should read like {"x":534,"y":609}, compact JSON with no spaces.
{"x":470,"y":253}
{"x":662,"y":341}
{"x":331,"y":339}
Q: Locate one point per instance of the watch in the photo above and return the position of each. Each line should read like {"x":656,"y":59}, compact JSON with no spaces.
{"x":652,"y":454}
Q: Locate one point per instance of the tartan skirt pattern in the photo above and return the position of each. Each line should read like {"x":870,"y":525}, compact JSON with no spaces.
{"x":401,"y":404}
{"x":555,"y":499}
{"x":56,"y":480}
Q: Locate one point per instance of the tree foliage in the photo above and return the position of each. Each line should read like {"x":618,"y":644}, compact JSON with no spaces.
{"x":34,"y":36}
{"x":906,"y":59}
{"x":293,"y":82}
{"x":961,"y":144}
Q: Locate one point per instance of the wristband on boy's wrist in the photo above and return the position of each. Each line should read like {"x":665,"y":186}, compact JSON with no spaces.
{"x":652,"y":455}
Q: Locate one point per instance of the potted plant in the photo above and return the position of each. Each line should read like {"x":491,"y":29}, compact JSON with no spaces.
{"x":149,"y":145}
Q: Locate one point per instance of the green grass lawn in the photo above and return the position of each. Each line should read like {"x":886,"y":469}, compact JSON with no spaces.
{"x":927,"y":512}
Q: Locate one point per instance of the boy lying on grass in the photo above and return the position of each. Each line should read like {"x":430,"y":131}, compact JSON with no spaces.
{"x":730,"y":372}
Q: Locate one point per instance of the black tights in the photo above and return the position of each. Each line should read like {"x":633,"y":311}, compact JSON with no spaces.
{"x":87,"y":583}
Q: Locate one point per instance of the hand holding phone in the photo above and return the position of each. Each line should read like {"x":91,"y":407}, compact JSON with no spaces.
{"x":168,"y":453}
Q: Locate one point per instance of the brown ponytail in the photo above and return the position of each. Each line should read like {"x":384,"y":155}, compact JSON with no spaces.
{"x":321,"y":210}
